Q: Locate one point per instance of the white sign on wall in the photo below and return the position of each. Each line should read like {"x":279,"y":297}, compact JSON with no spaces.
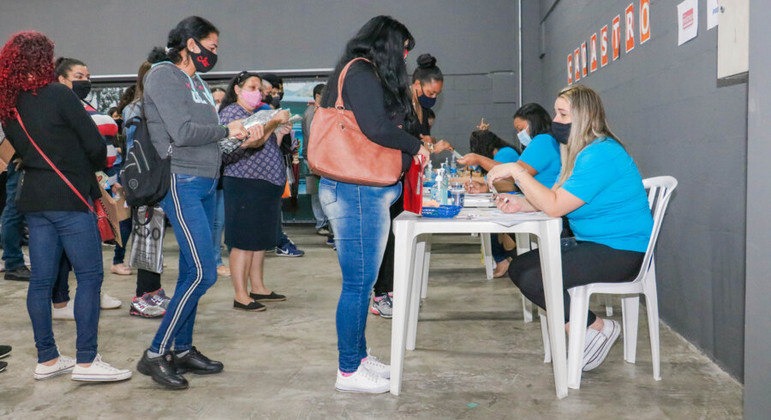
{"x":713,"y":10}
{"x":687,"y":21}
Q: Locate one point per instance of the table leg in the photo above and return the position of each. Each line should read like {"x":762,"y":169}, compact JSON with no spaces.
{"x":487,"y":255}
{"x":523,"y":245}
{"x":403,"y":261}
{"x":551,"y":267}
{"x":426,"y":264}
{"x":417,"y":285}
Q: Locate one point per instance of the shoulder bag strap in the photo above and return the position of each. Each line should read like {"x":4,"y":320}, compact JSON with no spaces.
{"x":51,"y":164}
{"x":339,"y":101}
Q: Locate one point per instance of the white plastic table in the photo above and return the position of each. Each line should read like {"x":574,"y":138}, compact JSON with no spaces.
{"x":413,"y":238}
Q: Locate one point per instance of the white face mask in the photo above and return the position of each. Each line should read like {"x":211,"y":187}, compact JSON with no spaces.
{"x":524,"y":137}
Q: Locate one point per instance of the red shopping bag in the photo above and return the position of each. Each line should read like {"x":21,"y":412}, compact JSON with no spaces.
{"x":413,"y":188}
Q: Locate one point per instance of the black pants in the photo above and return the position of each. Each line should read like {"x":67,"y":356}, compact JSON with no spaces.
{"x":147,"y":282}
{"x":582,"y":263}
{"x":385,"y":277}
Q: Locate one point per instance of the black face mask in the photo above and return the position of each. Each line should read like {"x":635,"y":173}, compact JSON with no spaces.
{"x":267,"y":99}
{"x":560,"y":132}
{"x":426,"y":102}
{"x":81,"y":88}
{"x":203,"y":61}
{"x":276,"y":102}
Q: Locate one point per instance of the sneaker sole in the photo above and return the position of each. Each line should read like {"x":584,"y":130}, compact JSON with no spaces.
{"x":270,"y":300}
{"x":41,"y":376}
{"x":600,"y":354}
{"x":85,"y":377}
{"x":363,"y":391}
{"x":251,"y":310}
{"x":289,"y":255}
{"x":134,"y":312}
{"x":3,"y":356}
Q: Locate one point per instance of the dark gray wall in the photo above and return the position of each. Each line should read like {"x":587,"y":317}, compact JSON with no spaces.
{"x":757,"y":362}
{"x":470,"y":39}
{"x":663,"y":102}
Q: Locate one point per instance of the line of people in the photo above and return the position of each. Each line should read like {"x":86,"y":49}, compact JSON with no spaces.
{"x":596,"y":185}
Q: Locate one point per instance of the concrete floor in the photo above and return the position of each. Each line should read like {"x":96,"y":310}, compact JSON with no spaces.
{"x":475,"y":358}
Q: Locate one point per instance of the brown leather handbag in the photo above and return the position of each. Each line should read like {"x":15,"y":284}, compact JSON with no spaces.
{"x":338,"y":150}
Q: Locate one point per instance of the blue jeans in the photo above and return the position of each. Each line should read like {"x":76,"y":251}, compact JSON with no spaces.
{"x":120,"y":250}
{"x":219,"y":225}
{"x":190,"y":205}
{"x":360,"y":219}
{"x":12,"y":223}
{"x":52,"y":234}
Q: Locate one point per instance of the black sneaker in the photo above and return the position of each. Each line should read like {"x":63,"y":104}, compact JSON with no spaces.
{"x":4,"y":351}
{"x":19,"y":274}
{"x":253,"y":306}
{"x":272,"y":297}
{"x":3,"y":365}
{"x":195,"y":362}
{"x":161,"y":369}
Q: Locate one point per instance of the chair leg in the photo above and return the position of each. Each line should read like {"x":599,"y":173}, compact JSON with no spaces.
{"x":608,"y":305}
{"x":652,"y":306}
{"x":545,"y":335}
{"x":527,"y":310}
{"x":579,"y":309}
{"x":630,"y":311}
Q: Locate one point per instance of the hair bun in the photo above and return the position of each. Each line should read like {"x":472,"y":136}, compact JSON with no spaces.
{"x":426,"y":61}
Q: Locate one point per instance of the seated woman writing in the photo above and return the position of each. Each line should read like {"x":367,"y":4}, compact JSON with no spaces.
{"x":600,"y":190}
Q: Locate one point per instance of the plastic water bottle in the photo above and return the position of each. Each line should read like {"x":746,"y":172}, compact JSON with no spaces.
{"x":453,"y":165}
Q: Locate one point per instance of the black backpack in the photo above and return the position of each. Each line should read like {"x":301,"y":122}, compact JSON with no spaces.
{"x":146,"y":176}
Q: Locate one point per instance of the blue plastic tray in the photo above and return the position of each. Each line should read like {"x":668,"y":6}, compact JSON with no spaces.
{"x":443,"y":211}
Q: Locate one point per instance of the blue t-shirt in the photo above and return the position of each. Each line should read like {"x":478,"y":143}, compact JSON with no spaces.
{"x":543,"y":155}
{"x":616,"y":212}
{"x":506,"y":155}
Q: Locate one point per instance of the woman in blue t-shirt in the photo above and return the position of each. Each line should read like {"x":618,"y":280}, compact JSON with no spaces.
{"x":600,"y":190}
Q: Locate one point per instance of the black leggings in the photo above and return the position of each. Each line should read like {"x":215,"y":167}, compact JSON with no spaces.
{"x":385,"y":277}
{"x":147,"y":282}
{"x":582,"y":263}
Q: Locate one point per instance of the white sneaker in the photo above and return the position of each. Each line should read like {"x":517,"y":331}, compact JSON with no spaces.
{"x":109,"y":302}
{"x":63,"y":365}
{"x":598,"y":343}
{"x":376,"y":366}
{"x":67,"y":313}
{"x":363,"y":380}
{"x":99,"y":371}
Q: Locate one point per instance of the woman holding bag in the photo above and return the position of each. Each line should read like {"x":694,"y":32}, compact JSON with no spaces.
{"x":254,"y":179}
{"x":61,"y":148}
{"x":376,"y":91}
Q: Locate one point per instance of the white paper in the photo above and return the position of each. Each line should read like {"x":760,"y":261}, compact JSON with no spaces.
{"x":713,"y":11}
{"x":499,"y":217}
{"x":687,"y":21}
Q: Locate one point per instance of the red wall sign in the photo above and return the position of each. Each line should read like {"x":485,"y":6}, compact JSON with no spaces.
{"x":629,"y":14}
{"x":593,"y":53}
{"x":616,"y":25}
{"x":583,"y":59}
{"x":645,"y":20}
{"x":570,"y":69}
{"x":604,"y":46}
{"x":577,"y":65}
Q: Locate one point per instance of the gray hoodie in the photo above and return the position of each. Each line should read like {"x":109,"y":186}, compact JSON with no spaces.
{"x":181,"y":115}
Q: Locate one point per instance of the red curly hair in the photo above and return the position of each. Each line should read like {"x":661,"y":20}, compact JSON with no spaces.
{"x":26,"y":63}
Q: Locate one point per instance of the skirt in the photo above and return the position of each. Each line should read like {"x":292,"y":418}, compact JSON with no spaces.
{"x":252,"y":213}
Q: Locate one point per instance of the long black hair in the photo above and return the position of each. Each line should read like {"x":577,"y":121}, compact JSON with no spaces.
{"x":427,"y":70}
{"x":63,"y":65}
{"x":230,"y":92}
{"x":194,"y":27}
{"x":382,"y":41}
{"x":538,"y":120}
{"x":484,"y":142}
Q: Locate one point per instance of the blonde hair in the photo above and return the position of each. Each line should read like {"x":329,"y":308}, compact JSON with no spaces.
{"x":588,"y":123}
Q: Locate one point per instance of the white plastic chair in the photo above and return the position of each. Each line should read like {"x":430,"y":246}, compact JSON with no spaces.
{"x":659,"y":192}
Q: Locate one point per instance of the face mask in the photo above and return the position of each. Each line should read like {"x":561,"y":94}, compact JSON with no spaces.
{"x":267,"y":99}
{"x":426,"y":102}
{"x":276,"y":102}
{"x":203,"y":61}
{"x":251,"y":97}
{"x":524,"y":138}
{"x":560,"y":132}
{"x":81,"y":88}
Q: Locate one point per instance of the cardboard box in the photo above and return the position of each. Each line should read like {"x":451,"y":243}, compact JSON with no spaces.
{"x":116,"y":209}
{"x":6,"y":154}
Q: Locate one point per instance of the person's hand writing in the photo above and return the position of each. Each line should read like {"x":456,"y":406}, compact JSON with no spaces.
{"x":470,"y":159}
{"x":507,"y":204}
{"x":474,"y":187}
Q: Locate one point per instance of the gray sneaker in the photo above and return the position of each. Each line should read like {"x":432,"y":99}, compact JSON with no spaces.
{"x":382,"y":305}
{"x":161,"y":299}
